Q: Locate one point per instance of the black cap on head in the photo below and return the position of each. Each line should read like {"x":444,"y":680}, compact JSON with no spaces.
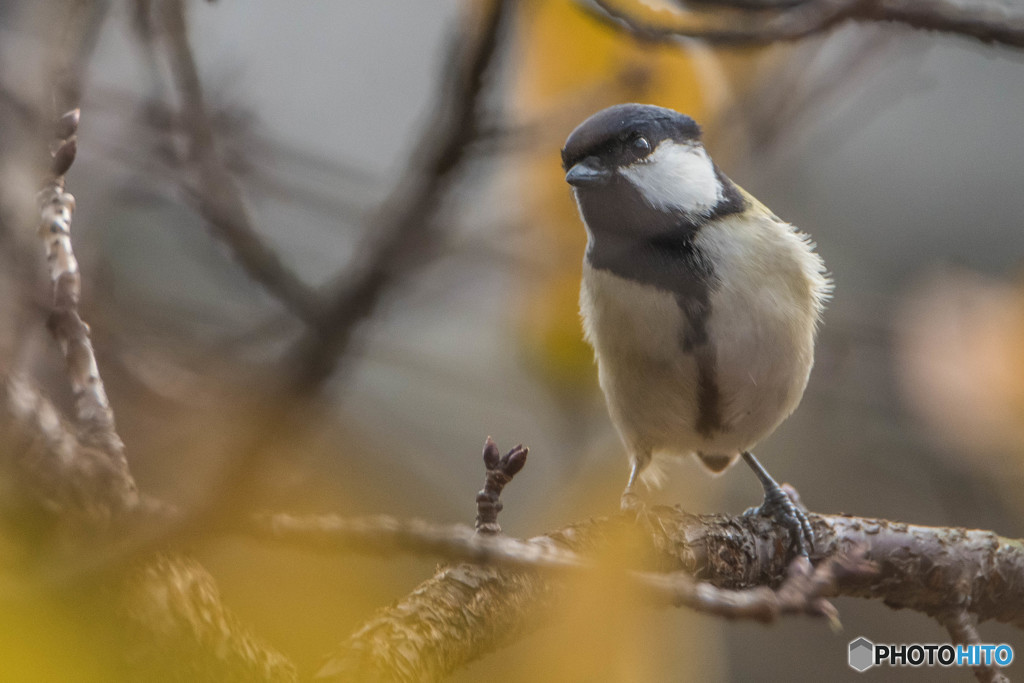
{"x":609,"y":133}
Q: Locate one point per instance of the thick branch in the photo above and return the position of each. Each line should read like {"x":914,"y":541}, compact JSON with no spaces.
{"x":178,"y":629}
{"x":935,"y":569}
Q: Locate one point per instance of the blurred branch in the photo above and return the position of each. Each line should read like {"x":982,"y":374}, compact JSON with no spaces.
{"x":405,"y":232}
{"x":471,"y":610}
{"x":172,"y":615}
{"x":77,"y":474}
{"x":216,"y":192}
{"x":792,"y":93}
{"x":175,"y":622}
{"x":95,"y":418}
{"x":51,"y":468}
{"x":963,"y":629}
{"x":468,"y":610}
{"x":76,"y":27}
{"x":727,"y":25}
{"x":984,"y":20}
{"x":740,"y":23}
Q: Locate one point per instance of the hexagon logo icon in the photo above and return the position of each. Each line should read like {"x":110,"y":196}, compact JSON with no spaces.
{"x":862,"y":654}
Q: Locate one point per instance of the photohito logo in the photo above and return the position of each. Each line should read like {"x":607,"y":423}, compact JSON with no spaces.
{"x":864,"y":654}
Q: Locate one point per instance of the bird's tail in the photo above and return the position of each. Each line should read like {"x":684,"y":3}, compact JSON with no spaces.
{"x":653,"y":475}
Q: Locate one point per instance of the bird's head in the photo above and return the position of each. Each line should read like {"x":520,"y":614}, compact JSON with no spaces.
{"x":642,"y":159}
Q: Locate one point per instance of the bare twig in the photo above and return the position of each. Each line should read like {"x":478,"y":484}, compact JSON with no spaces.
{"x":500,"y":470}
{"x":728,"y":22}
{"x":802,"y":592}
{"x":405,"y":232}
{"x":384,"y":535}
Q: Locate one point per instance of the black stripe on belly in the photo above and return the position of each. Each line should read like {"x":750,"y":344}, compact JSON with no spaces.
{"x":709,"y":403}
{"x":674,"y":264}
{"x":635,"y":241}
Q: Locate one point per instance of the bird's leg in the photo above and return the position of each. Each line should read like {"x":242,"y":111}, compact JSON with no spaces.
{"x":630,"y":501}
{"x":778,"y":506}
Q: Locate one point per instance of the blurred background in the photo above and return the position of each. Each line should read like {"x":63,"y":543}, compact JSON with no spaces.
{"x":899,"y":151}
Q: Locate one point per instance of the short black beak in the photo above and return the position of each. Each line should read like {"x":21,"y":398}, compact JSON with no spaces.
{"x":588,"y":173}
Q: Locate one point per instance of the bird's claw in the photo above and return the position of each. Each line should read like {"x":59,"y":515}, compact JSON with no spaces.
{"x":630,"y":501}
{"x":778,"y":506}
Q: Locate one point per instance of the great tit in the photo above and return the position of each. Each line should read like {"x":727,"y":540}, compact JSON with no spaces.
{"x":700,"y":304}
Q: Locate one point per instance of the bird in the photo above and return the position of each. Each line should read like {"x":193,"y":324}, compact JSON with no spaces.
{"x":701,"y":305}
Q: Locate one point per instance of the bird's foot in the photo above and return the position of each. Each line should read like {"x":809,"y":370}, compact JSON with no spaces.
{"x":630,"y":501}
{"x":779,"y":506}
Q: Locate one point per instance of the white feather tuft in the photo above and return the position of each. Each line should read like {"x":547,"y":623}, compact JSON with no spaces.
{"x":654,"y":476}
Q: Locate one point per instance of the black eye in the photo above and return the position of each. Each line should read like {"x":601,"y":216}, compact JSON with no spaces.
{"x":641,"y":145}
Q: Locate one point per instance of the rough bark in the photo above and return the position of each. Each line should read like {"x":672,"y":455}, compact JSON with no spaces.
{"x":466,"y":611}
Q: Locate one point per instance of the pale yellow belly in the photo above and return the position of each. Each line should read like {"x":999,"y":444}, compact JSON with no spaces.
{"x":762,"y":361}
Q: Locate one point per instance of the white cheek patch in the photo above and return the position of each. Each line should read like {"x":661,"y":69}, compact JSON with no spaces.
{"x":677,"y":177}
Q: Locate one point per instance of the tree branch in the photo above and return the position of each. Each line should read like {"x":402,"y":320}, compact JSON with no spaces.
{"x":405,"y":230}
{"x":215,"y":191}
{"x":802,"y":592}
{"x":385,"y":535}
{"x":727,"y":25}
{"x":985,"y":20}
{"x":963,"y":629}
{"x":95,"y":418}
{"x":178,"y":629}
{"x":468,"y":610}
{"x":747,"y":23}
{"x":46,"y":466}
